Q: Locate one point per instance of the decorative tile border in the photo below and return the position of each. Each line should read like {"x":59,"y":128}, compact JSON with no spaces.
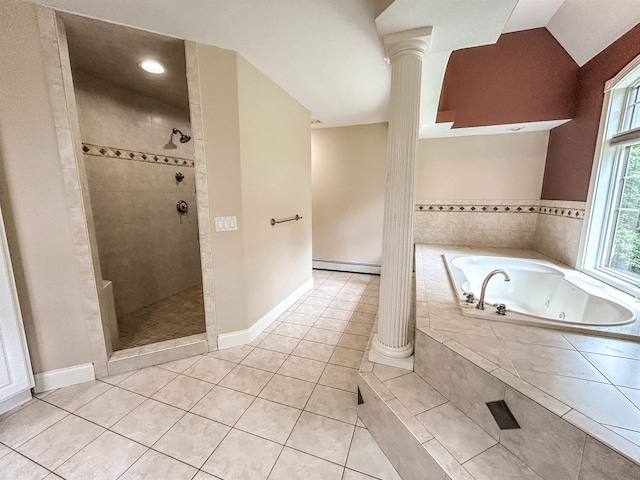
{"x":545,"y":209}
{"x":110,"y":152}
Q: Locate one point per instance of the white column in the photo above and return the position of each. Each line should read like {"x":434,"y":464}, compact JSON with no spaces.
{"x":391,"y":344}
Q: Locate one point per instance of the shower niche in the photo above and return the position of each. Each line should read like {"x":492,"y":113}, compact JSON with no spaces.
{"x":139,"y":162}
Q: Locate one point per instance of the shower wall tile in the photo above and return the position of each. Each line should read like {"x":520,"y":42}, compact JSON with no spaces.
{"x":559,"y":238}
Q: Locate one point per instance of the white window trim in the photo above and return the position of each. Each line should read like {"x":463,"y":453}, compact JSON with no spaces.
{"x":596,"y":211}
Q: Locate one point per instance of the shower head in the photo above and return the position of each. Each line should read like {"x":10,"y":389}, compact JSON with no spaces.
{"x":183,"y":138}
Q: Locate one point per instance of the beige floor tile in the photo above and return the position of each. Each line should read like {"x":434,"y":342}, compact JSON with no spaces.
{"x":337,"y":313}
{"x":183,"y":392}
{"x":354,"y":342}
{"x":291,"y":330}
{"x":61,"y":441}
{"x":353,"y":475}
{"x":110,"y":407}
{"x":259,"y":338}
{"x":322,"y":436}
{"x":204,"y":476}
{"x":331,"y":324}
{"x":366,"y":308}
{"x":148,"y":380}
{"x":343,"y":304}
{"x":147,"y":423}
{"x":357,"y":328}
{"x":269,"y":420}
{"x":363,"y":317}
{"x":156,"y":465}
{"x":317,"y":301}
{"x":320,"y":335}
{"x":498,"y":462}
{"x":107,"y":457}
{"x":192,"y":439}
{"x":334,"y":403}
{"x":279,"y":343}
{"x":14,"y":466}
{"x":369,"y":300}
{"x":303,"y":318}
{"x":242,"y":456}
{"x":414,"y":393}
{"x":463,"y":438}
{"x":53,"y":476}
{"x":313,"y":350}
{"x":262,"y":359}
{"x":299,"y":466}
{"x":288,"y":391}
{"x":246,"y":380}
{"x":337,"y":376}
{"x":116,"y":379}
{"x":210,"y":369}
{"x":4,"y":450}
{"x":74,"y":397}
{"x":346,"y":357}
{"x":365,"y":456}
{"x":310,"y":310}
{"x":179,"y":366}
{"x":235,"y":354}
{"x":349,"y":297}
{"x":302,"y":368}
{"x":29,"y":422}
{"x":223,"y":405}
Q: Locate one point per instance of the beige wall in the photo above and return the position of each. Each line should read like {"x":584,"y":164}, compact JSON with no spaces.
{"x":349,"y":175}
{"x":33,"y":200}
{"x":258,"y":166}
{"x":484,"y":167}
{"x":275,"y":146}
{"x":116,"y":117}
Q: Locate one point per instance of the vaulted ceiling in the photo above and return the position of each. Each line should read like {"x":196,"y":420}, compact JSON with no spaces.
{"x":327,"y":53}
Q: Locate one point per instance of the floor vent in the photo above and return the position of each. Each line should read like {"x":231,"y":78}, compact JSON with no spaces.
{"x":360,"y":400}
{"x":502,"y":415}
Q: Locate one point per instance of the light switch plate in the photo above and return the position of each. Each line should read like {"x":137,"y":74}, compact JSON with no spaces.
{"x":226,"y":224}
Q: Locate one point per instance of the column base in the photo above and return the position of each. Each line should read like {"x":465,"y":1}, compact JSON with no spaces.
{"x":394,"y":357}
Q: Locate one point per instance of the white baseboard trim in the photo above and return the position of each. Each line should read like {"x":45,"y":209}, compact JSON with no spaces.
{"x":347,"y":266}
{"x":242,"y":337}
{"x":63,"y":377}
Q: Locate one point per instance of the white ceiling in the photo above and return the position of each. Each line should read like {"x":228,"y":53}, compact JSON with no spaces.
{"x":327,"y":53}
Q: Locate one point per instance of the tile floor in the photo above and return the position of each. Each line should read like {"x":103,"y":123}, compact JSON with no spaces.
{"x":283,"y":407}
{"x":180,"y":315}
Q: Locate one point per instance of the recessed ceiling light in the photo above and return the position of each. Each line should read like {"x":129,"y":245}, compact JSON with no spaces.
{"x":152,"y":66}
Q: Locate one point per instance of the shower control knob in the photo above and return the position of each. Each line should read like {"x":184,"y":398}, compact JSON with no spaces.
{"x":179,"y":177}
{"x":182,"y":207}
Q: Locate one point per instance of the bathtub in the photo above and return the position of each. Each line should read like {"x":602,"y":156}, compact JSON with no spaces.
{"x":539,"y":293}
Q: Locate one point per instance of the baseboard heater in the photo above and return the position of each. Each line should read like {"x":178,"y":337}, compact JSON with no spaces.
{"x":352,"y":267}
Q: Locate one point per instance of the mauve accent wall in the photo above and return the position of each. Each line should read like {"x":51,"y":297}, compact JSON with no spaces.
{"x":525,"y":77}
{"x":572,"y":145}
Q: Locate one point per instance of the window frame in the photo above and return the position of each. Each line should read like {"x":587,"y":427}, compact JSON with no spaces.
{"x":606,"y":187}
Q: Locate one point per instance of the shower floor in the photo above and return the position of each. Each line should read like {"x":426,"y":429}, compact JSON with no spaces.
{"x":179,"y":315}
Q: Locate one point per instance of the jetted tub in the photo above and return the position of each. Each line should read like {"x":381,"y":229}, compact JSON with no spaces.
{"x":538,"y":293}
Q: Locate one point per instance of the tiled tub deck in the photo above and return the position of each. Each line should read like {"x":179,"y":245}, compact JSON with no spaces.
{"x":576,"y":396}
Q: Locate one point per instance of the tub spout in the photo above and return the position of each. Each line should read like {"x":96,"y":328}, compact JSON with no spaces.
{"x":480,"y":304}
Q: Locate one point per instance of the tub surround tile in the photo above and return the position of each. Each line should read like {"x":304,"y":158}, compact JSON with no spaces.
{"x":619,"y":371}
{"x":541,"y":436}
{"x":456,"y":432}
{"x":534,"y":335}
{"x":498,"y":462}
{"x":604,"y":346}
{"x":414,"y":393}
{"x":552,"y":360}
{"x":488,"y":347}
{"x":366,"y":457}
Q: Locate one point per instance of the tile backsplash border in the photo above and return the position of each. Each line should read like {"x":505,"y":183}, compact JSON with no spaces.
{"x":546,"y":207}
{"x":121,"y":153}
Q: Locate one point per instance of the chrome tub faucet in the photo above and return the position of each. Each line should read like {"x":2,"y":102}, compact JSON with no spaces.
{"x":480,"y":304}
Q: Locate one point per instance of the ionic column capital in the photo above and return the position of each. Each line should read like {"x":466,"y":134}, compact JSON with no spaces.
{"x":410,"y":42}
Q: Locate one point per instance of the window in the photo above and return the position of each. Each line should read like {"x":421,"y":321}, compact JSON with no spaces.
{"x":611,"y":251}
